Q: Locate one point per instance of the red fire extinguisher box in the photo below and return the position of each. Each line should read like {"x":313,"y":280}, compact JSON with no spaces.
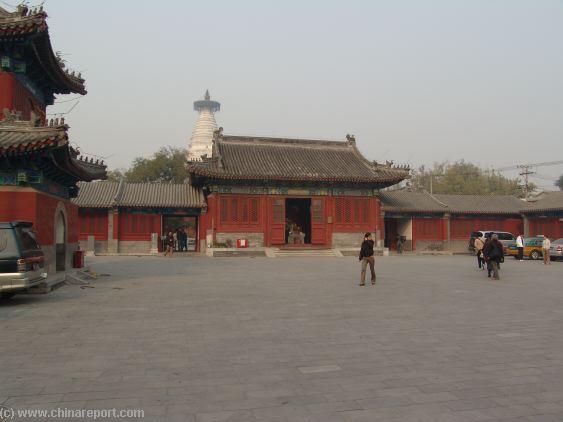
{"x":78,"y":259}
{"x":242,"y":243}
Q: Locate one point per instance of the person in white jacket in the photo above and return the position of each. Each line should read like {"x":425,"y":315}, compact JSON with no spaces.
{"x":520,"y":247}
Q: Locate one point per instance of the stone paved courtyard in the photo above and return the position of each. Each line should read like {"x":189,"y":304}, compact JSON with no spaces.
{"x":243,"y":339}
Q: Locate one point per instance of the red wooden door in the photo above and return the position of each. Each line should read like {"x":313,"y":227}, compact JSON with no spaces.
{"x":318,"y":222}
{"x":277,"y":222}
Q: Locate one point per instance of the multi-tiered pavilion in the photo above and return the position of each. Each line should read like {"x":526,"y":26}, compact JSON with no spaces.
{"x":39,"y":168}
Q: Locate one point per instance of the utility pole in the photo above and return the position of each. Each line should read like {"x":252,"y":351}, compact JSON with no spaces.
{"x":525,"y":171}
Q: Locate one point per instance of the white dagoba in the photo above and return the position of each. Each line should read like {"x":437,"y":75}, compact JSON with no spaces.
{"x":201,"y":142}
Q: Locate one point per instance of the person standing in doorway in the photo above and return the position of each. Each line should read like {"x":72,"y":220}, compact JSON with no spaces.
{"x":479,"y":244}
{"x":520,"y":247}
{"x":545,"y":247}
{"x":184,"y":234}
{"x":367,"y":258}
{"x":400,"y":245}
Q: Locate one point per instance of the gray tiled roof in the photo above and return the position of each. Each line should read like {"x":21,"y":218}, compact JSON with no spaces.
{"x":123,"y":194}
{"x":251,"y":158}
{"x":20,"y":137}
{"x":17,"y":136}
{"x":28,"y":28}
{"x":547,"y":201}
{"x":404,"y":200}
{"x":161,"y":195}
{"x":410,"y":201}
{"x":96,"y":194}
{"x":482,"y":204}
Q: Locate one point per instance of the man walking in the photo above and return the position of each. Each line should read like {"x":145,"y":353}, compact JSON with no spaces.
{"x":479,"y":244}
{"x":520,"y":247}
{"x":366,"y":257}
{"x":545,"y":247}
{"x":494,"y":254}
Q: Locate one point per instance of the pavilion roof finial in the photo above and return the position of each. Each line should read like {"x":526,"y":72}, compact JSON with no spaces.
{"x":207,"y":96}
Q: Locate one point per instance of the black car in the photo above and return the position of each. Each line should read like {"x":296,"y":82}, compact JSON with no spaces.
{"x":21,"y":259}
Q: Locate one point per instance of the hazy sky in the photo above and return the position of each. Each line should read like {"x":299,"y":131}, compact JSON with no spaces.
{"x":415,"y":81}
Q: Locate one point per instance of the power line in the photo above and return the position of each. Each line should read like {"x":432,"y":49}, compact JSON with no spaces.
{"x":67,"y":112}
{"x":525,"y":172}
{"x":67,"y":101}
{"x":8,"y":4}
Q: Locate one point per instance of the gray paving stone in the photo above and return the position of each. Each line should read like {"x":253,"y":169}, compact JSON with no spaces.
{"x":293,"y":340}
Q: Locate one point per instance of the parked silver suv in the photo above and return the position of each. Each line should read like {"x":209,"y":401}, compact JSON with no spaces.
{"x":21,"y":259}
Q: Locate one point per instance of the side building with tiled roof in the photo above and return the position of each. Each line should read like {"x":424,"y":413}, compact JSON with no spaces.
{"x":444,"y":221}
{"x":544,"y":215}
{"x":122,"y":217}
{"x":294,"y":193}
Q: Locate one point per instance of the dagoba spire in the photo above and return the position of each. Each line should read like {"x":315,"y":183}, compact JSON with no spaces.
{"x":201,"y":142}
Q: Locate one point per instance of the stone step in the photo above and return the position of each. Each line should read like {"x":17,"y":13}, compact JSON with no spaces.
{"x":305,"y":253}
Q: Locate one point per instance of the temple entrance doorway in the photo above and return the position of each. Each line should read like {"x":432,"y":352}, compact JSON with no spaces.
{"x":184,"y":229}
{"x":391,"y":233}
{"x":298,"y":221}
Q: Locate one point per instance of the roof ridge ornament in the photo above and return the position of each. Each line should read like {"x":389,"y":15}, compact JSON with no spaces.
{"x":351,"y":139}
{"x":10,"y":116}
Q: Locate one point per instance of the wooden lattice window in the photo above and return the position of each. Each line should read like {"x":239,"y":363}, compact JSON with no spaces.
{"x":239,"y":210}
{"x":339,"y":217}
{"x":254,"y":210}
{"x":234,"y":210}
{"x":317,"y":211}
{"x":365,"y":219}
{"x":347,"y":212}
{"x":357,"y":210}
{"x":278,"y":216}
{"x":244,"y":211}
{"x":224,"y":210}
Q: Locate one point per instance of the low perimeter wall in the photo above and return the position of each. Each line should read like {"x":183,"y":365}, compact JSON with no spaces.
{"x":50,"y":257}
{"x":100,"y":246}
{"x":347,"y":240}
{"x":255,"y":240}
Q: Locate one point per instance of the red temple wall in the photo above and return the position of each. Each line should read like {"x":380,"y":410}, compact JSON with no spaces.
{"x":93,"y":222}
{"x":15,"y":96}
{"x":550,"y":227}
{"x":40,"y":209}
{"x":428,"y":229}
{"x":461,"y":228}
{"x":353,"y":214}
{"x":137,"y":227}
